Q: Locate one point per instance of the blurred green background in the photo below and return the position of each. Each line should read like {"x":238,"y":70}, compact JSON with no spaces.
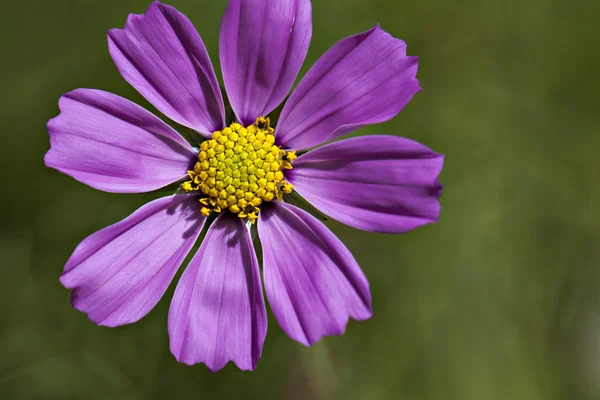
{"x":499,"y":300}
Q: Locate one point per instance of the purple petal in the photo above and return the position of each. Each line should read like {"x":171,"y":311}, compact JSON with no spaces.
{"x":161,"y":55}
{"x":114,"y":145}
{"x":374,"y":183}
{"x":364,"y":79}
{"x":312,"y":281}
{"x":262,"y":47}
{"x":118,"y":274}
{"x":218,"y":312}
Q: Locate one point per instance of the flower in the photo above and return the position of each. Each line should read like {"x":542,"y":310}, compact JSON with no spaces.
{"x":240,"y":174}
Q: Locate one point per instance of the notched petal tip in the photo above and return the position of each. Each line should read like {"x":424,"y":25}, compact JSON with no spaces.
{"x":307,"y":341}
{"x":437,"y":189}
{"x":216,"y":368}
{"x":132,"y":18}
{"x":50,"y":127}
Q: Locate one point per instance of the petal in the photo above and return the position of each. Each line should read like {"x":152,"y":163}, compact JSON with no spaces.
{"x":114,"y":145}
{"x":374,"y":183}
{"x":218,"y":312}
{"x":312,"y":281}
{"x":364,"y":79}
{"x":118,"y":274}
{"x":262,"y":47}
{"x":161,"y":55}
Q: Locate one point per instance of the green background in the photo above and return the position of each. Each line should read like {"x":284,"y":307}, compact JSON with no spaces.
{"x":497,"y":301}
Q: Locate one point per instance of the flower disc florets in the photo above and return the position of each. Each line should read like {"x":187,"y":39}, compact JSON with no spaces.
{"x":239,"y":168}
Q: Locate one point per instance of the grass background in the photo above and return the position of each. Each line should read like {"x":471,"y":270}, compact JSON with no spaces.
{"x":497,"y":301}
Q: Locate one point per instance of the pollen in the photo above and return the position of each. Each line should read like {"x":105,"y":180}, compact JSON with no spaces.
{"x":239,"y":169}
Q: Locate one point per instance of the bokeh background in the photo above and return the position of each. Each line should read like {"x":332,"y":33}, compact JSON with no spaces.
{"x":499,"y":300}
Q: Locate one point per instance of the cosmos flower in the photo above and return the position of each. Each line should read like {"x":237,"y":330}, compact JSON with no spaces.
{"x":241,"y":177}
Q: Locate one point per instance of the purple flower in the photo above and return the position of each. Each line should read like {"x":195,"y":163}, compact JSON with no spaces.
{"x":241,"y":174}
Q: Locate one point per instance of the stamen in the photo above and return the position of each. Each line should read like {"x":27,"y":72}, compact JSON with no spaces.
{"x":240,"y":168}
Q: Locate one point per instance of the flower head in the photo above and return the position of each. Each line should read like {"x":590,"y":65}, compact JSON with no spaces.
{"x":239,"y":168}
{"x":244,"y":173}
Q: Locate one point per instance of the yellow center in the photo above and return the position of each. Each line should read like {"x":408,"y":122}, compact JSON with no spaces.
{"x":240,"y":168}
